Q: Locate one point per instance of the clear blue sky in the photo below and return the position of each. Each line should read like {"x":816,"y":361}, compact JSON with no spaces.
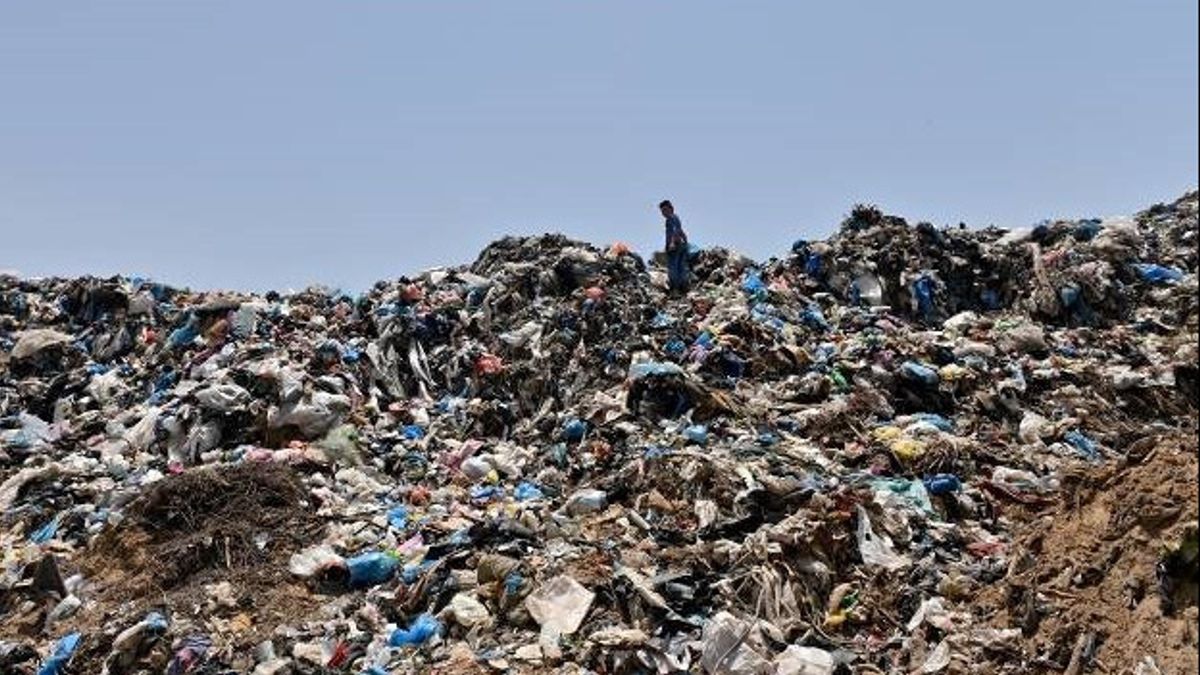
{"x":273,"y":144}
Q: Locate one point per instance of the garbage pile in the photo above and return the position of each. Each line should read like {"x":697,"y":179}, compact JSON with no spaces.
{"x":904,"y":449}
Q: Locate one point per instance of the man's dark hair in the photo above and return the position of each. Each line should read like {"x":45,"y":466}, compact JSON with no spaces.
{"x":666,"y":204}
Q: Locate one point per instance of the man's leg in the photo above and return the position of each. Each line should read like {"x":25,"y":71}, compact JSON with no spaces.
{"x":673,"y":280}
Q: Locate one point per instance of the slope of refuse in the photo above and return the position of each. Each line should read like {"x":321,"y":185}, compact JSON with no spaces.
{"x":902,"y":449}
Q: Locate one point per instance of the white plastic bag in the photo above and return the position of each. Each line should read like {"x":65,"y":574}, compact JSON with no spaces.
{"x":876,"y":549}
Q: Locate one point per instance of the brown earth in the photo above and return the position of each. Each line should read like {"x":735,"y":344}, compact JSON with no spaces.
{"x":238,"y":524}
{"x":1083,"y":580}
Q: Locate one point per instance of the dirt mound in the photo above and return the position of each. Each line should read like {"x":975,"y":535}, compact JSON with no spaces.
{"x":237,"y":524}
{"x":227,"y":518}
{"x":1095,"y":579}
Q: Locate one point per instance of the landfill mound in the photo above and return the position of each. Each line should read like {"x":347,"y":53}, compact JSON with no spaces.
{"x":902,"y":449}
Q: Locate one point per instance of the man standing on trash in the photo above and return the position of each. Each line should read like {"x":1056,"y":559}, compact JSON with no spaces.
{"x":677,"y":249}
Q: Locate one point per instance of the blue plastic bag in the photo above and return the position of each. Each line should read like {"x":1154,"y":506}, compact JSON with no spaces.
{"x":814,"y":265}
{"x":767,"y":314}
{"x":486,"y":493}
{"x":1084,"y":445}
{"x":397,"y":516}
{"x":753,"y":284}
{"x":163,"y":384}
{"x":574,"y":430}
{"x":371,"y":569}
{"x":527,"y":491}
{"x":675,"y":347}
{"x":61,"y":655}
{"x":697,"y":433}
{"x":411,"y":573}
{"x":911,"y":370}
{"x":923,"y":289}
{"x":652,"y":368}
{"x":942,"y":483}
{"x":418,"y":632}
{"x":513,"y":582}
{"x":413,"y":432}
{"x":156,"y":624}
{"x":938,"y":421}
{"x":1157,"y":274}
{"x":813,"y":318}
{"x":1086,"y":230}
{"x":46,"y":532}
{"x":1069,"y":295}
{"x":656,"y":452}
{"x":185,"y":334}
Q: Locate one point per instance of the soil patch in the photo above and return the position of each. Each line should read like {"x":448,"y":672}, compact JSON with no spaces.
{"x":1104,"y":578}
{"x":236,"y":524}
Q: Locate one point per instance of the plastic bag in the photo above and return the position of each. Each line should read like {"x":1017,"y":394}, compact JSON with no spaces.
{"x":586,"y":501}
{"x":942,"y":483}
{"x":923,"y":292}
{"x":797,"y":660}
{"x":61,"y":655}
{"x":371,"y":569}
{"x":397,"y":517}
{"x":876,"y":549}
{"x":574,"y":430}
{"x":310,"y":562}
{"x":418,"y":632}
{"x":753,"y":284}
{"x":1157,"y":274}
{"x":559,"y":606}
{"x":527,"y":491}
{"x":697,"y":433}
{"x":911,"y":370}
{"x":1086,"y":446}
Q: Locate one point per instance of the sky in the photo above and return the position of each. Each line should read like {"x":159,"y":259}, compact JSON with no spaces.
{"x":275,"y":144}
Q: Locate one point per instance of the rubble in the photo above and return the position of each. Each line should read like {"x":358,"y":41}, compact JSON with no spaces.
{"x":903,"y":449}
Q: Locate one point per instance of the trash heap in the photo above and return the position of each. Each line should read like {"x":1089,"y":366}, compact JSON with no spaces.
{"x":904,"y":449}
